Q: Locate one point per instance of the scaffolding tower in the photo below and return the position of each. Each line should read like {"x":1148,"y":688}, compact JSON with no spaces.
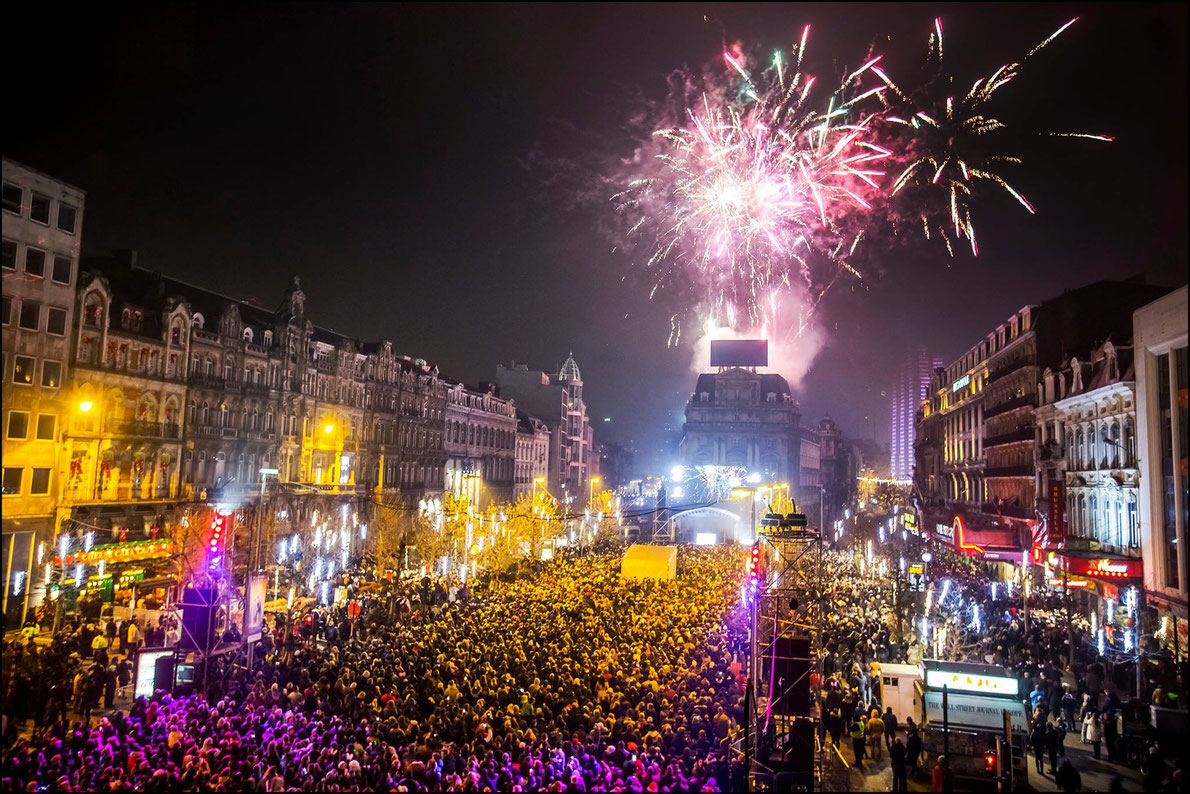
{"x":782,"y":717}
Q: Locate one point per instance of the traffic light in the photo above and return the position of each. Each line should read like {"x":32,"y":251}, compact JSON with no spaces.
{"x":989,"y":762}
{"x":216,"y":544}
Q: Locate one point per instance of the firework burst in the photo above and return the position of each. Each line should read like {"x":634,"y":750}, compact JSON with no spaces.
{"x":768,"y":183}
{"x":751,"y":193}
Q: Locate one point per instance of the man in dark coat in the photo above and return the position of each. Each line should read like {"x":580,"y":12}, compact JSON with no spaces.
{"x":890,"y":726}
{"x":1053,"y":746}
{"x":912,"y":747}
{"x":1037,"y":742}
{"x":897,"y":755}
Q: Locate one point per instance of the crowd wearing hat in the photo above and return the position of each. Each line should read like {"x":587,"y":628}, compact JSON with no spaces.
{"x":568,"y":679}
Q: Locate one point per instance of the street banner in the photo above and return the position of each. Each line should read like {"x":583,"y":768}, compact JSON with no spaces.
{"x":1057,"y":528}
{"x":254,"y":607}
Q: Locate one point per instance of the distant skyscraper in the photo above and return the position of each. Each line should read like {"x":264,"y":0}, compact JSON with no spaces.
{"x":909,"y":388}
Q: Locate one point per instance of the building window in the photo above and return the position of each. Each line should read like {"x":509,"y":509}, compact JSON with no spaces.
{"x":14,"y":196}
{"x":18,"y":425}
{"x":51,"y":374}
{"x":30,"y":318}
{"x":34,"y":262}
{"x":39,"y":209}
{"x":62,"y":268}
{"x":10,"y":255}
{"x":39,"y":484}
{"x":55,"y":321}
{"x":46,"y":425}
{"x":12,"y":480}
{"x":7,"y":309}
{"x":22,"y":370}
{"x":67,"y":218}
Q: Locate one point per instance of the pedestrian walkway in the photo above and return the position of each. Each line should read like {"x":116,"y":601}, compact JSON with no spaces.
{"x":1096,"y":774}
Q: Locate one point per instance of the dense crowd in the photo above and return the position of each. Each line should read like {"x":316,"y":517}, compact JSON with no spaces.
{"x":564,"y":680}
{"x":1066,"y":685}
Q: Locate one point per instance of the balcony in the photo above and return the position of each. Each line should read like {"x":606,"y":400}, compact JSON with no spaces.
{"x":1025,"y":433}
{"x":1024,"y":401}
{"x":208,"y":381}
{"x":144,"y":429}
{"x":1007,"y":369}
{"x":1008,"y":471}
{"x":206,"y":336}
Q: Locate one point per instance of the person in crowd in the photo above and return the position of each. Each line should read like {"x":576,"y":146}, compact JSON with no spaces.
{"x":1094,"y":731}
{"x":942,"y":778}
{"x":858,"y":742}
{"x":897,"y":757}
{"x":1037,"y":742}
{"x":874,"y":734}
{"x":913,"y":745}
{"x":1068,"y":778}
{"x":890,"y":725}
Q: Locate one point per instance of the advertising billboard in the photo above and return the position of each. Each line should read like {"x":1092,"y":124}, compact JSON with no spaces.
{"x":740,"y":353}
{"x":254,"y":607}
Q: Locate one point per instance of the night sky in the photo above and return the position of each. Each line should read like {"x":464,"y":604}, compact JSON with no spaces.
{"x":380,"y":152}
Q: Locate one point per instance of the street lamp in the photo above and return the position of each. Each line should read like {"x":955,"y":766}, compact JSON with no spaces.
{"x":591,"y":483}
{"x":85,"y":406}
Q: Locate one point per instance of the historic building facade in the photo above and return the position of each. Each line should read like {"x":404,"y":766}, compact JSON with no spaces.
{"x":558,"y":401}
{"x":43,"y":224}
{"x":980,"y":456}
{"x":532,"y":454}
{"x":738,"y":417}
{"x":1160,"y":339}
{"x":480,"y":442}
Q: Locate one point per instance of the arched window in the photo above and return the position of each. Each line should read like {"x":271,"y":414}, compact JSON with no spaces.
{"x":268,"y":342}
{"x":1081,"y":528}
{"x":1133,"y":526}
{"x":198,"y":320}
{"x":1115,"y":445}
{"x":1093,"y":515}
{"x":191,"y":412}
{"x":248,"y":335}
{"x":1079,"y":450}
{"x":1129,"y":449}
{"x":93,"y":312}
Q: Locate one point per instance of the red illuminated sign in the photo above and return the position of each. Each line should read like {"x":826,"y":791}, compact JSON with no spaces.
{"x":1106,"y":569}
{"x":1057,"y":522}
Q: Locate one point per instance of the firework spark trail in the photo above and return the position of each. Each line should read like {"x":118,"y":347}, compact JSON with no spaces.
{"x":768,"y":187}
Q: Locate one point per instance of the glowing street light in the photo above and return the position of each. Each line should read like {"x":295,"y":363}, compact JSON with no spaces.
{"x":330,"y":428}
{"x":85,"y":405}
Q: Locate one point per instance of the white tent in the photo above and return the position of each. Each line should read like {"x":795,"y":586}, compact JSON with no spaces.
{"x":649,"y":562}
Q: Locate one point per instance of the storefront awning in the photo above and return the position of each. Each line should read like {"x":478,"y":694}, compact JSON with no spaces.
{"x":978,"y":535}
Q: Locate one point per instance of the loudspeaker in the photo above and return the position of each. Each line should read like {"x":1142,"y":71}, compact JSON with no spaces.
{"x":796,"y":770}
{"x":791,"y":689}
{"x":198,"y":618}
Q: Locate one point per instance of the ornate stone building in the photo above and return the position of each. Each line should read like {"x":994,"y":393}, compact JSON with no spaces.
{"x":737,"y":417}
{"x":980,"y":456}
{"x":558,"y":401}
{"x":481,"y":435}
{"x":43,"y":223}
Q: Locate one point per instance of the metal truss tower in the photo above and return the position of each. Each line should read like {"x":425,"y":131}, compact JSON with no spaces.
{"x":783,"y":749}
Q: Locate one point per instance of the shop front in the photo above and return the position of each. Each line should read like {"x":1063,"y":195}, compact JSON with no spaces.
{"x":1111,"y":586}
{"x":997,"y":541}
